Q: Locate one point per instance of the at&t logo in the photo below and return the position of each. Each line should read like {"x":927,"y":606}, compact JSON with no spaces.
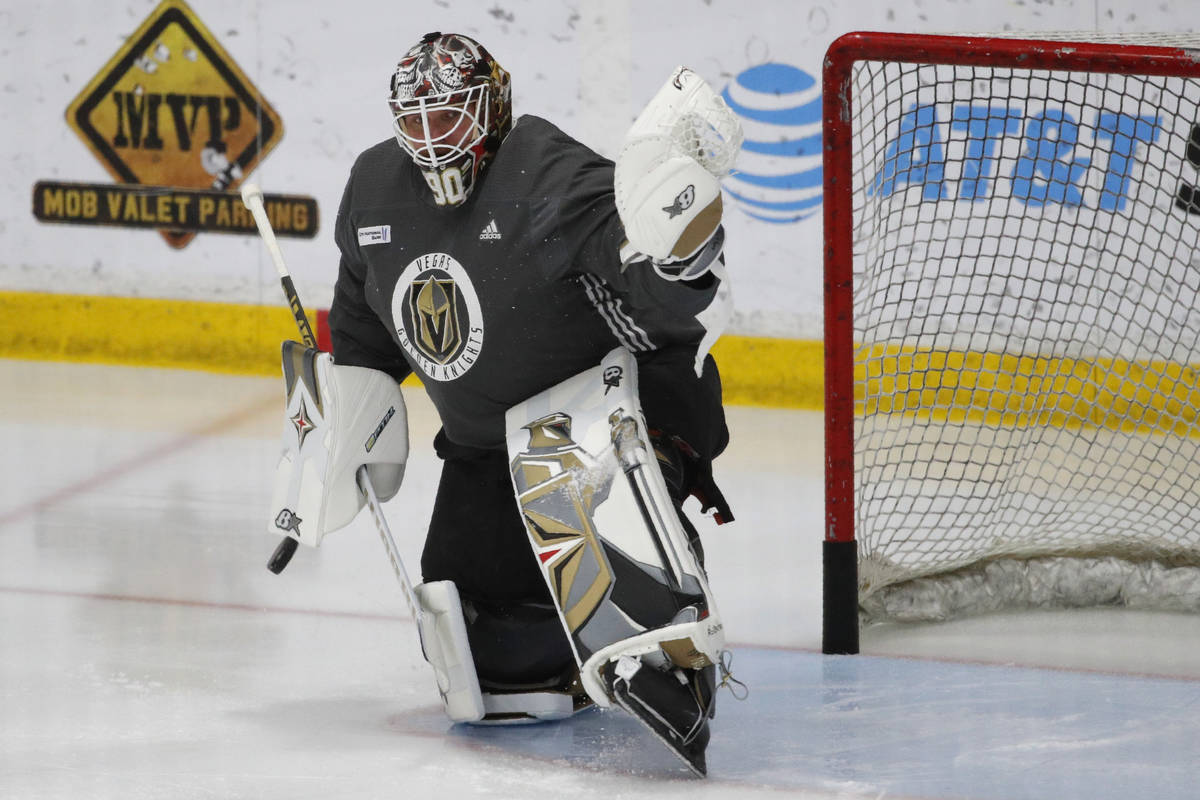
{"x":778,"y":173}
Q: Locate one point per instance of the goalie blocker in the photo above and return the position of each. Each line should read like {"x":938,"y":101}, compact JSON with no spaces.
{"x":338,"y":418}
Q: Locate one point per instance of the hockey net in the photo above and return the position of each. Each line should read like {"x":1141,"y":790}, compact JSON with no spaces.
{"x":1012,"y":326}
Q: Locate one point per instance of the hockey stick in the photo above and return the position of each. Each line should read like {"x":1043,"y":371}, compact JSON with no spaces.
{"x":389,"y":543}
{"x":252,"y":196}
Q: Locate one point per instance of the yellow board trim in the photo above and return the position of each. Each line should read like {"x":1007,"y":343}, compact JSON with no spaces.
{"x":780,"y":373}
{"x":992,"y":388}
{"x":1016,"y":391}
{"x":217,"y":337}
{"x":245,"y":339}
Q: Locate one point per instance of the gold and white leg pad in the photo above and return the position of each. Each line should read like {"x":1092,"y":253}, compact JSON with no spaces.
{"x":446,"y":647}
{"x":616,"y":558}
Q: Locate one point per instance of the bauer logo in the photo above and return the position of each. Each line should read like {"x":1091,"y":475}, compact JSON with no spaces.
{"x":612,"y":378}
{"x":683,"y":201}
{"x":778,"y":173}
{"x":287,"y":520}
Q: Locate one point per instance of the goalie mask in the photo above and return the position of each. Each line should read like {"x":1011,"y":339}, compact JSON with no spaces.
{"x":451,"y":107}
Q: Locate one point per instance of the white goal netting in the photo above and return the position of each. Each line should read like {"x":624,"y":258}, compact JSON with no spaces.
{"x":1027,"y":324}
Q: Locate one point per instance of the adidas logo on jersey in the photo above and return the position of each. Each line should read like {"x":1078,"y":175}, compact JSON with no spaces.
{"x":490,"y":231}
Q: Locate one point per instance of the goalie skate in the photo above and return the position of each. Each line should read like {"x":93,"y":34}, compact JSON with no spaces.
{"x":674,"y":704}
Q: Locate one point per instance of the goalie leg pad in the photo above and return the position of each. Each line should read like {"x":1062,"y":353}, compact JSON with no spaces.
{"x":444,"y":641}
{"x":495,"y":668}
{"x":602,"y":524}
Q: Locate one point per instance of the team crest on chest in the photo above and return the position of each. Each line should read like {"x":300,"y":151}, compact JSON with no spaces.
{"x":437,"y":316}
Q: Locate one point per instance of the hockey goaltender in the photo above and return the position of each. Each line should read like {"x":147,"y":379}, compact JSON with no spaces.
{"x":559,"y":309}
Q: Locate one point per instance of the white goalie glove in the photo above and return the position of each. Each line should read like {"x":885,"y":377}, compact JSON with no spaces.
{"x":669,"y":171}
{"x":338,"y":419}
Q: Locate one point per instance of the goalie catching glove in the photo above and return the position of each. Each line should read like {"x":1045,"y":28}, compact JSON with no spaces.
{"x":338,"y":419}
{"x":668,"y":174}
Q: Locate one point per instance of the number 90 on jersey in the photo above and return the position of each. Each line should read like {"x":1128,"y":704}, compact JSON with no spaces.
{"x":447,"y":186}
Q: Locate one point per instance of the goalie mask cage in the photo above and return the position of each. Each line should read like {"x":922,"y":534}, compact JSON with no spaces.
{"x":1012,"y":310}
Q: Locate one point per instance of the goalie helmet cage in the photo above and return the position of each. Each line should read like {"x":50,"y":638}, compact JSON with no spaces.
{"x":1011,"y":326}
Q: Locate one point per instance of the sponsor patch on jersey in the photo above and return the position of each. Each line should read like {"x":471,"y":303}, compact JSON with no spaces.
{"x":376,"y":234}
{"x":436,"y":313}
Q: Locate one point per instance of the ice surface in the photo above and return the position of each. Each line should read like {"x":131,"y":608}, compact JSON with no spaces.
{"x":146,"y":652}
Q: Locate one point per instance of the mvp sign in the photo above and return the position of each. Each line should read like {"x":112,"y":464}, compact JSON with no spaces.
{"x":172,"y":110}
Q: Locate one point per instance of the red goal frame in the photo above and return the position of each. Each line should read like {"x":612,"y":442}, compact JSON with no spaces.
{"x":840,"y":630}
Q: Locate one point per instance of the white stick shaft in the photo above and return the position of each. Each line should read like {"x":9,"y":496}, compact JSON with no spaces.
{"x":252,"y":196}
{"x":389,"y":544}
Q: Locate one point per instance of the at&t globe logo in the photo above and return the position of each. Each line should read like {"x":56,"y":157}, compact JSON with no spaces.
{"x":778,"y":173}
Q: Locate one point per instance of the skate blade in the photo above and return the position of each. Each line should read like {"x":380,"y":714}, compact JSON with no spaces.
{"x":696,"y":763}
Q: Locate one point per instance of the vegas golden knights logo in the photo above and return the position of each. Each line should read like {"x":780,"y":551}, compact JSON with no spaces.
{"x":435,"y":317}
{"x":558,"y":509}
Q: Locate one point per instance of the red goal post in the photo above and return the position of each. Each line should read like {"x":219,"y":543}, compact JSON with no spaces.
{"x":987,"y":194}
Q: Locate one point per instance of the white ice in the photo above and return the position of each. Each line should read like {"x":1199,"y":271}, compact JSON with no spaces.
{"x":146,"y":652}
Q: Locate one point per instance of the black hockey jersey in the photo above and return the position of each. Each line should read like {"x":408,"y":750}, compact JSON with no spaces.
{"x":515,"y":290}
